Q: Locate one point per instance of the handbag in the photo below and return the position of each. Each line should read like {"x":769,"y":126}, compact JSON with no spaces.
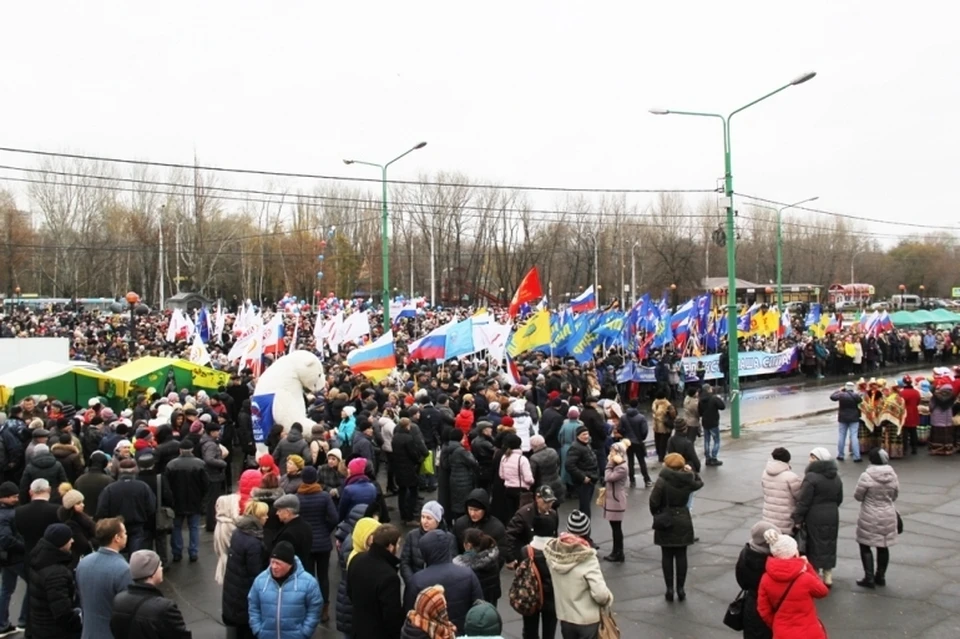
{"x":899,"y":523}
{"x":733,"y":618}
{"x":602,"y":497}
{"x":801,"y":538}
{"x":165,"y":514}
{"x":663,"y":520}
{"x":608,"y":625}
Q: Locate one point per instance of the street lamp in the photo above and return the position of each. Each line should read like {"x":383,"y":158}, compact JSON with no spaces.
{"x":596,"y":266}
{"x":384,"y":231}
{"x":132,"y":299}
{"x":780,"y":247}
{"x":673,"y":296}
{"x":853,"y":258}
{"x":734,"y":368}
{"x":633,"y":271}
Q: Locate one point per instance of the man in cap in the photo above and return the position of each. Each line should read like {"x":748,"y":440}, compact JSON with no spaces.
{"x":848,"y":419}
{"x":141,"y":610}
{"x":12,"y":553}
{"x":212,"y":453}
{"x":284,"y":581}
{"x":295,"y":531}
{"x":101,"y":575}
{"x":538,"y":519}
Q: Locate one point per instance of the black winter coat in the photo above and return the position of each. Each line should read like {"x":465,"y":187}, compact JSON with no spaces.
{"x":430,"y":425}
{"x":672,"y":490}
{"x":165,"y":498}
{"x":443,"y":476}
{"x":483,"y":451}
{"x":31,"y":521}
{"x":460,"y":584}
{"x":406,"y":458}
{"x":633,"y":426}
{"x":522,"y":528}
{"x":317,"y":509}
{"x":545,"y":466}
{"x":750,"y":568}
{"x":818,"y":510}
{"x":486,"y":566}
{"x":53,"y":594}
{"x":681,"y":443}
{"x":91,"y":484}
{"x":596,"y":426}
{"x":411,"y":558}
{"x":463,"y":468}
{"x":374,"y":587}
{"x":292,"y":444}
{"x":11,"y":543}
{"x":166,"y":452}
{"x":344,"y":535}
{"x":489,"y":525}
{"x":46,"y":467}
{"x":130,"y":498}
{"x":156,"y":616}
{"x":83,"y":528}
{"x":246,"y":559}
{"x":188,"y":480}
{"x":550,"y":424}
{"x":582,"y":462}
{"x":298,"y":532}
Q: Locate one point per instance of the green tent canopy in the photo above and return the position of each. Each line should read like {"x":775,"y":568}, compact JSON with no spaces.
{"x":68,"y":383}
{"x":903,"y":318}
{"x":154,"y":372}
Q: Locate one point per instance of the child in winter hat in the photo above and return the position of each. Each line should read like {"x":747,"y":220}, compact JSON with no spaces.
{"x":781,"y":546}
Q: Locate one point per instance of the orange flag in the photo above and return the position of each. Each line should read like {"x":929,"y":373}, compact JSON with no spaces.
{"x":529,"y":291}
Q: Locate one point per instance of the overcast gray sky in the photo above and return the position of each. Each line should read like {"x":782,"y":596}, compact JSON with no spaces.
{"x":539,"y":93}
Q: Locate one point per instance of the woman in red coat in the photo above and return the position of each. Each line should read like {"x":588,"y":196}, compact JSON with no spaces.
{"x":911,"y":418}
{"x":787,"y":590}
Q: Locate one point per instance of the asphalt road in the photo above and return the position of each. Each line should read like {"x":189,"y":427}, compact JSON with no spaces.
{"x":923,"y":580}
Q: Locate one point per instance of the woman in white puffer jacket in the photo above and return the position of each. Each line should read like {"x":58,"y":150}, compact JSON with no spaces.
{"x":781,"y":489}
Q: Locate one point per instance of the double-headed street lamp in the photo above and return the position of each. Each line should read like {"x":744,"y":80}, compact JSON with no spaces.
{"x":384,"y":234}
{"x":733,"y":351}
{"x":780,"y":211}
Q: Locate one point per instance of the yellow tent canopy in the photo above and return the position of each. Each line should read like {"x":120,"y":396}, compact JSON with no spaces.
{"x":156,"y":372}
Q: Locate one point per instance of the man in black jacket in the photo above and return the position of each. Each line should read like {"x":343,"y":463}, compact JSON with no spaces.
{"x":141,"y":610}
{"x":710,"y":406}
{"x":296,"y":531}
{"x":596,"y":426}
{"x":161,"y":490}
{"x":33,"y":518}
{"x":539,"y":519}
{"x":131,"y":499}
{"x":187,"y":477}
{"x":212,"y":455}
{"x":12,"y":554}
{"x":680,"y":443}
{"x":550,"y":423}
{"x":373,"y":586}
{"x":633,"y":427}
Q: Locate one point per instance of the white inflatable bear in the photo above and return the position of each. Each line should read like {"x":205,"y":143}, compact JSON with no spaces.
{"x":278,"y":397}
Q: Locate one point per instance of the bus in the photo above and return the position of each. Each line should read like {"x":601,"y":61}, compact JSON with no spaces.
{"x":36,"y":303}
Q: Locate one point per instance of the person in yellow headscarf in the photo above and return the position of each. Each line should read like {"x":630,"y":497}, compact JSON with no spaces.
{"x":361,"y":536}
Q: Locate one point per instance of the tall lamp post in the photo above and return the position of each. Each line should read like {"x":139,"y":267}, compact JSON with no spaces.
{"x":780,"y":247}
{"x":133,"y":299}
{"x":384,"y":231}
{"x":633,"y":272}
{"x":734,"y":355}
{"x":596,"y":266}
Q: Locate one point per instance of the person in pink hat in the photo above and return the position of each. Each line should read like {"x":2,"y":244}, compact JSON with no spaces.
{"x":358,"y":488}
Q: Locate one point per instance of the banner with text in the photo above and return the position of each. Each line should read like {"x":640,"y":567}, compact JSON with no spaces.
{"x":751,"y":363}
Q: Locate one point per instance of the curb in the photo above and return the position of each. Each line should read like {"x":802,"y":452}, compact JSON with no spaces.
{"x":770,"y":420}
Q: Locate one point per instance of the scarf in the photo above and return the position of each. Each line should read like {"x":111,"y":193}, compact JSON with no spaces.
{"x":309,"y":489}
{"x":429,"y":614}
{"x":568,"y":538}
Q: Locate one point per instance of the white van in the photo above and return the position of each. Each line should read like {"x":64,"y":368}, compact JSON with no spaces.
{"x":905,"y":302}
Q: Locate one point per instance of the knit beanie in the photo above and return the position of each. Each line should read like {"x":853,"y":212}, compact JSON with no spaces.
{"x":297,"y":461}
{"x":879,"y":457}
{"x":578,"y":523}
{"x":72,"y":498}
{"x":310,"y":475}
{"x":821,"y":454}
{"x":483,"y":620}
{"x":434,"y":509}
{"x":284,"y":552}
{"x":757,"y":540}
{"x":58,"y":534}
{"x":573,"y":413}
{"x":357,"y":466}
{"x":781,"y":546}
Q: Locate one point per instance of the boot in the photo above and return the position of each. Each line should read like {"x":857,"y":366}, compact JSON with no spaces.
{"x":325,"y":613}
{"x":615,"y":557}
{"x":866,"y":558}
{"x":880,"y":579}
{"x":828,"y":578}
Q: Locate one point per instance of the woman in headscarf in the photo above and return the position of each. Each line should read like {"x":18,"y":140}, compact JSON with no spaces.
{"x":290,"y":482}
{"x":877,"y":490}
{"x":942,"y":438}
{"x":429,"y":618}
{"x":788,"y":588}
{"x":818,"y":512}
{"x":892,"y":414}
{"x":751,"y":566}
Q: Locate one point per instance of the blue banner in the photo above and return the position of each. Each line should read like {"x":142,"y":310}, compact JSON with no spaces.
{"x":261,"y":414}
{"x":751,"y":363}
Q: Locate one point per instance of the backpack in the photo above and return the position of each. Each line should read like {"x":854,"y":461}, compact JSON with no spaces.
{"x":526,"y":591}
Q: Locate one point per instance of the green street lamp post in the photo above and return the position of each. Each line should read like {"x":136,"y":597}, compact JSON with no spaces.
{"x":384,"y":231}
{"x":733,"y":351}
{"x":780,"y":247}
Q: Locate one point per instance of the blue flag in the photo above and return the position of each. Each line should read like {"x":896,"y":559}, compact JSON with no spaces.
{"x":460,"y":339}
{"x":261,"y":414}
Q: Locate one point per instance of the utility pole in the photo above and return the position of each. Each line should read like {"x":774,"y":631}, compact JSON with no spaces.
{"x":160,"y":265}
{"x":433,"y":265}
{"x":178,"y":258}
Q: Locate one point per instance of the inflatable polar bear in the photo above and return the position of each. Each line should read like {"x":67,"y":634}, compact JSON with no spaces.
{"x":278,"y":397}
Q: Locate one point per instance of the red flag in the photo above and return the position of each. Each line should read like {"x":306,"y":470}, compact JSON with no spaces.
{"x":529,"y":291}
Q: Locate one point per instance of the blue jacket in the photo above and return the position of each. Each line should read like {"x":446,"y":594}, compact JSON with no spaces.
{"x":100,"y":577}
{"x":461,"y":585}
{"x":285,"y":611}
{"x":356,"y":490}
{"x":317,"y":510}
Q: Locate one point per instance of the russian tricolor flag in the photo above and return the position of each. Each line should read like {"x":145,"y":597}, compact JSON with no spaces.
{"x":433,"y":345}
{"x":375,"y":360}
{"x":586,"y":301}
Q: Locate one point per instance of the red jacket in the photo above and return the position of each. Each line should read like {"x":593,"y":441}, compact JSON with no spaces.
{"x":797,"y":616}
{"x":911,"y":401}
{"x":464,"y":423}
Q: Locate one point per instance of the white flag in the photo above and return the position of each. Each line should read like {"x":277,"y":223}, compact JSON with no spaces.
{"x":355,"y":327}
{"x":198,"y":351}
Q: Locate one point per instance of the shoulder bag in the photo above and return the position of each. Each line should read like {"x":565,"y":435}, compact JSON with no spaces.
{"x":663,"y":520}
{"x":608,"y":625}
{"x":733,"y":618}
{"x":165,"y":514}
{"x":785,"y":593}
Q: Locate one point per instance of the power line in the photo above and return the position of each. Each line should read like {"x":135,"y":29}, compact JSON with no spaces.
{"x":316,"y":176}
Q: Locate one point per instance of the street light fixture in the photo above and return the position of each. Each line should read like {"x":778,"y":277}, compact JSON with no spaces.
{"x":384,"y":231}
{"x":780,"y":243}
{"x":734,"y":356}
